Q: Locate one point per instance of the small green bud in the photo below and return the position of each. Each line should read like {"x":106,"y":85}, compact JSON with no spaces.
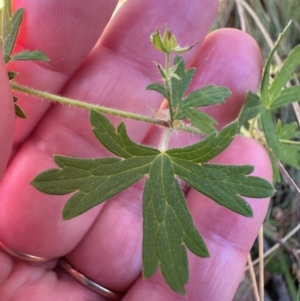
{"x":156,"y":40}
{"x":167,"y":43}
{"x":169,"y":40}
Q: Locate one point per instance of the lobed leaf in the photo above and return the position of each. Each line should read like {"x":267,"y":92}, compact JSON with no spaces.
{"x":205,"y":96}
{"x":167,"y":224}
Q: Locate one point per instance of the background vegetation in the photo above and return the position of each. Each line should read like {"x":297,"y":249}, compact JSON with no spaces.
{"x":264,"y":20}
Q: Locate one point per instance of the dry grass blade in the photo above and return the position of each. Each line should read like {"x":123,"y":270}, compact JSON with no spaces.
{"x":253,"y":278}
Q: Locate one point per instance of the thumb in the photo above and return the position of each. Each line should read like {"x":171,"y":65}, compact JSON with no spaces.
{"x":7,"y":118}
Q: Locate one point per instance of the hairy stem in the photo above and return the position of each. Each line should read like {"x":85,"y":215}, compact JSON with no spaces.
{"x":164,"y":141}
{"x":85,"y":105}
{"x":168,"y":85}
{"x":105,"y":110}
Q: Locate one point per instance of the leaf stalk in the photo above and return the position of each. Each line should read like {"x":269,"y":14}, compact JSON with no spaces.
{"x":102,"y":109}
{"x":168,"y":85}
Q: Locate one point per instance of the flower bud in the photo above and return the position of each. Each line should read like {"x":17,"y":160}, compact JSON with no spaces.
{"x":167,"y":43}
{"x":156,"y":40}
{"x":169,"y":40}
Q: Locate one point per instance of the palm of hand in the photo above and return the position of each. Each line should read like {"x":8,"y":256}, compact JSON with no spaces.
{"x":105,"y":243}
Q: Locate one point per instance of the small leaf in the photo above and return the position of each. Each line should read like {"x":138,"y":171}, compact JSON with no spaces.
{"x":162,"y":71}
{"x":250,"y":109}
{"x":290,"y":155}
{"x":19,"y":112}
{"x":270,"y":132}
{"x":30,"y":55}
{"x":264,"y":87}
{"x":289,"y":149}
{"x":158,"y":88}
{"x":200,"y":120}
{"x":287,"y":131}
{"x":286,"y":96}
{"x":11,"y":75}
{"x":206,"y":96}
{"x":179,"y":86}
{"x":10,"y":41}
{"x":288,"y":67}
{"x":6,"y":19}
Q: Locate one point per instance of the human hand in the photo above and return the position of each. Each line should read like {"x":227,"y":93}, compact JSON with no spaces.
{"x":105,"y":242}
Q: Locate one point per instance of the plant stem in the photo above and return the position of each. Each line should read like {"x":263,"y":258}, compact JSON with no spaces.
{"x":88,"y":106}
{"x":289,"y":142}
{"x":168,"y":85}
{"x":163,"y":145}
{"x":85,"y":105}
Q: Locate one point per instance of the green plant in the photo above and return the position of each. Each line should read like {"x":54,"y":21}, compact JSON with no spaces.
{"x":168,"y":226}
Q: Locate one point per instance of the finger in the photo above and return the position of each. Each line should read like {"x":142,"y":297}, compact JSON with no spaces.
{"x":114,"y":260}
{"x":224,"y":63}
{"x":7,"y":119}
{"x":228,"y":236}
{"x":66,"y":31}
{"x":32,"y":222}
{"x":22,"y":281}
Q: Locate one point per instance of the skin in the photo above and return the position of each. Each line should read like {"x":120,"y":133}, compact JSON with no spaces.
{"x":105,"y":242}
